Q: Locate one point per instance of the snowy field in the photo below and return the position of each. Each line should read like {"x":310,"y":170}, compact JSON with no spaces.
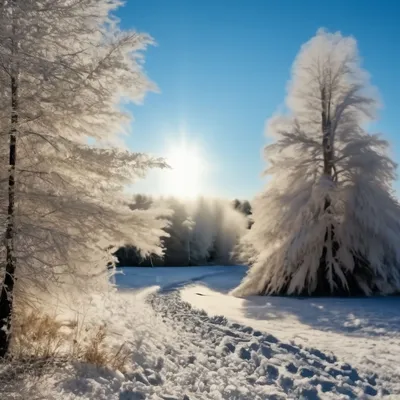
{"x":191,"y":341}
{"x":362,"y":332}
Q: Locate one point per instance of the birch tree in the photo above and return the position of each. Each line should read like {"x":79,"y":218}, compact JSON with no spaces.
{"x":328,"y":221}
{"x":65,"y":71}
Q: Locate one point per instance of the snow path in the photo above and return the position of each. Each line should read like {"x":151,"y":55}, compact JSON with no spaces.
{"x":364,"y":332}
{"x":183,"y":354}
{"x":180,"y":353}
{"x":236,"y":362}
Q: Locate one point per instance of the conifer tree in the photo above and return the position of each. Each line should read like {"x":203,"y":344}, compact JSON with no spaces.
{"x":328,"y":221}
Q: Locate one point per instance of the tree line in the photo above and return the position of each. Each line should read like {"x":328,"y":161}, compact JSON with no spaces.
{"x":198,"y":232}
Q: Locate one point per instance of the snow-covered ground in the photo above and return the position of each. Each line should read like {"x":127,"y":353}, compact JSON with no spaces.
{"x":362,"y":331}
{"x":258,"y":349}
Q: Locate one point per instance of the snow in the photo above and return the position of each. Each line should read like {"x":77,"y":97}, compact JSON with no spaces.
{"x":363,"y":331}
{"x":360,"y":331}
{"x":261,"y":348}
{"x":174,"y":277}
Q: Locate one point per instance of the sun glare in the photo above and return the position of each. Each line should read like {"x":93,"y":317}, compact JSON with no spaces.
{"x":188,"y":166}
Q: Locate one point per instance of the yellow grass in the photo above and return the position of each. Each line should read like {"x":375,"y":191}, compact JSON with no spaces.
{"x":41,"y":337}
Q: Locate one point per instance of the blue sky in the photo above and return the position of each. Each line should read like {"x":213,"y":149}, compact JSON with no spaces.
{"x":222,"y":68}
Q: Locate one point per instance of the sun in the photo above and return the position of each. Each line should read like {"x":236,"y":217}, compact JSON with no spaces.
{"x":188,"y":166}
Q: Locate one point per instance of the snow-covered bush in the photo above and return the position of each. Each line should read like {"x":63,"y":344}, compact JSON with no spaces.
{"x":328,"y":222}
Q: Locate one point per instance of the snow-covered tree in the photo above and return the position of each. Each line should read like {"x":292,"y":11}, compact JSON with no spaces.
{"x":328,"y":222}
{"x":230,"y":226}
{"x":243,"y":206}
{"x":204,"y":229}
{"x":65,"y":71}
{"x":176,"y":244}
{"x":188,"y":225}
{"x":199,"y":232}
{"x":217,"y":229}
{"x":131,"y":255}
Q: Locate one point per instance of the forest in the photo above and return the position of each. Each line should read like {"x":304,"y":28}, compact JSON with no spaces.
{"x":199,"y":232}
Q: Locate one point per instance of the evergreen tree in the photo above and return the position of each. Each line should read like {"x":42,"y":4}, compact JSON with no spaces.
{"x":176,"y":249}
{"x":328,"y":222}
{"x":245,"y":207}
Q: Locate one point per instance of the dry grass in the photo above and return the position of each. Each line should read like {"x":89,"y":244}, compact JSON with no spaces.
{"x":36,"y":336}
{"x":98,"y":353}
{"x":41,"y":337}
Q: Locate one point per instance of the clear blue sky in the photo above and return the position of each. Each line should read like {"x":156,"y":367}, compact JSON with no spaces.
{"x":222,"y":68}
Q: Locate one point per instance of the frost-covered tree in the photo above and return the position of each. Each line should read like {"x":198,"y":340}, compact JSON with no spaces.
{"x":188,"y":225}
{"x":328,"y":221}
{"x":204,"y":229}
{"x":65,"y":70}
{"x":176,"y":244}
{"x":141,"y":202}
{"x":245,"y":208}
{"x":242,"y":206}
{"x":131,"y":255}
{"x":217,"y":230}
{"x":230,"y":226}
{"x":199,"y":232}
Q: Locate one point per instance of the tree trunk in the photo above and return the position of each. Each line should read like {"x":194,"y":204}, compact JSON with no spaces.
{"x":327,"y":140}
{"x":327,"y":149}
{"x":7,"y":291}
